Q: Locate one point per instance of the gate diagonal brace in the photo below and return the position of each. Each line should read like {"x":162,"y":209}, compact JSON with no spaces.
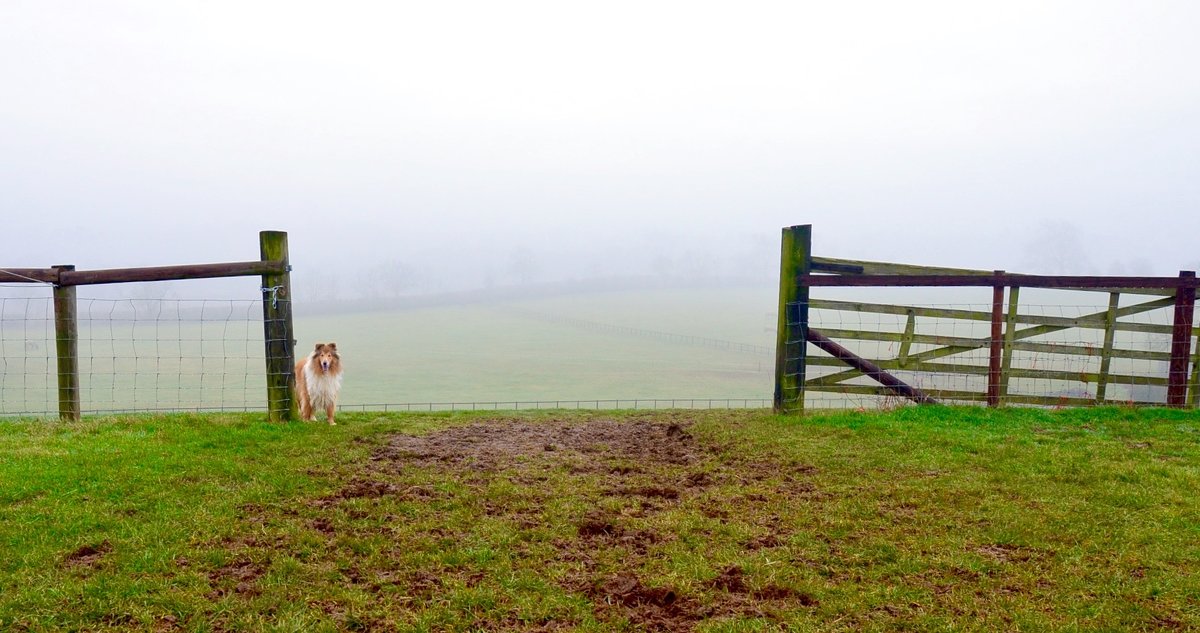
{"x":899,"y":387}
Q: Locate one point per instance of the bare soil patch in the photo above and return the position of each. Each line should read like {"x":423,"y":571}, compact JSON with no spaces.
{"x":646,"y":466}
{"x":502,"y":443}
{"x":239,"y":576}
{"x":88,"y":555}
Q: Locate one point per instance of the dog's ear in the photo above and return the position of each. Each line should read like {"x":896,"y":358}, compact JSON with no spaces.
{"x":333,"y":346}
{"x":318,"y":347}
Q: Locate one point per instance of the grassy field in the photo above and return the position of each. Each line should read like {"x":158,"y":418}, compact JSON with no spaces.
{"x":914,"y":519}
{"x":516,"y":351}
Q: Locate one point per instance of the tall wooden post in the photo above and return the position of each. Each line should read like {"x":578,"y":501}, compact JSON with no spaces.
{"x":1181,"y":343}
{"x":791,"y":334}
{"x":277,"y":329}
{"x":66,"y":344}
{"x":997,"y":344}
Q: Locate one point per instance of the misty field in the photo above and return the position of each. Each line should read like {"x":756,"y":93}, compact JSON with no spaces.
{"x":935,"y":518}
{"x":588,"y":346}
{"x":138,"y":354}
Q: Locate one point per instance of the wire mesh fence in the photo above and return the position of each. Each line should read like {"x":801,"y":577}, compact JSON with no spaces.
{"x":192,"y":355}
{"x":136,"y":355}
{"x":27,"y":356}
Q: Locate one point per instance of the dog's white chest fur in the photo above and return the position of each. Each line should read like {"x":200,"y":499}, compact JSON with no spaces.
{"x":322,"y":386}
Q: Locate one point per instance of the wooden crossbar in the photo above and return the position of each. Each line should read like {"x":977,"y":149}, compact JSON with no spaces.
{"x":865,"y":366}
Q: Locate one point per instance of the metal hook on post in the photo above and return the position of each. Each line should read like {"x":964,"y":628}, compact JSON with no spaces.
{"x":274,"y":290}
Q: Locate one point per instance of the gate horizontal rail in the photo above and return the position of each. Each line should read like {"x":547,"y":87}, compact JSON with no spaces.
{"x":1062,"y":282}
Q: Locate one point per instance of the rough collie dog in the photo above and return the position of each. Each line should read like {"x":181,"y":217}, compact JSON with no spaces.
{"x":318,"y":380}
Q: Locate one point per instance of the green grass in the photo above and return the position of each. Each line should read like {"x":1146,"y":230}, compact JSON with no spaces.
{"x":914,"y":519}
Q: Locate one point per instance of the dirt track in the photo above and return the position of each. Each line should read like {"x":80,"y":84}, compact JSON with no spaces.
{"x":644,"y":467}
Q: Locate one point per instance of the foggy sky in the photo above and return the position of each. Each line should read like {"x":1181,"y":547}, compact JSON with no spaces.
{"x":459,"y":144}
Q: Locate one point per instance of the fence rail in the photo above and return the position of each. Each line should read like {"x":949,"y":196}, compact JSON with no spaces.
{"x":68,"y":276}
{"x":1009,"y":329}
{"x":602,"y":404}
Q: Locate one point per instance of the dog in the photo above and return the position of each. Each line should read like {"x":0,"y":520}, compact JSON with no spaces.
{"x":318,"y":381}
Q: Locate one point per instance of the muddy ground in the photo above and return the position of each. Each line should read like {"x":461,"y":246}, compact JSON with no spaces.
{"x":643,"y":467}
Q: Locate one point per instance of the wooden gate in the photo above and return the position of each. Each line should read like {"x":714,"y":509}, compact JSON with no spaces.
{"x":1010,"y":330}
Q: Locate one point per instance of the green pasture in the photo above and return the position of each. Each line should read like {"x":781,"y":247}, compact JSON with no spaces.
{"x":931,"y":518}
{"x":516,"y":350}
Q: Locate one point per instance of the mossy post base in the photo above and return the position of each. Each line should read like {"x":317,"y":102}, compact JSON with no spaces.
{"x":791,"y":341}
{"x":277,"y":330}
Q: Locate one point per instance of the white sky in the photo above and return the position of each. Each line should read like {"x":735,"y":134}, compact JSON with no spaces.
{"x":461,"y":138}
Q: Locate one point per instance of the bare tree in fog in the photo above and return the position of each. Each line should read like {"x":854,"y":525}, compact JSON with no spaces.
{"x":1056,"y":249}
{"x":388,"y":280}
{"x":524,"y":265}
{"x":319,"y":285}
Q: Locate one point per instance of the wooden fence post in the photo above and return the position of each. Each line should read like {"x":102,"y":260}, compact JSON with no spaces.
{"x":996,"y":348}
{"x":277,"y":329}
{"x":66,"y":344}
{"x":1181,"y":343}
{"x":791,"y":334}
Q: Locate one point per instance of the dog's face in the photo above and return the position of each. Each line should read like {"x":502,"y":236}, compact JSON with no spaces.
{"x":326,"y":356}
